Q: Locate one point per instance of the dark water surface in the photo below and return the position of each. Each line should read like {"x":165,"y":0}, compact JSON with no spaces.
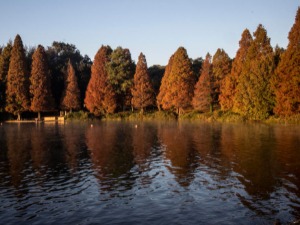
{"x":155,"y":173}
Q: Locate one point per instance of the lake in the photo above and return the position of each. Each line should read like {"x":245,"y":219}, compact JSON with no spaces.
{"x":149,"y":173}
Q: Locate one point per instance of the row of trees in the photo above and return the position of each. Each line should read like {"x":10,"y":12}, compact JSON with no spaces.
{"x":259,"y":81}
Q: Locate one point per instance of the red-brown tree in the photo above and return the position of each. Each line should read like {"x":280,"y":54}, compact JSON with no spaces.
{"x":202,"y":99}
{"x":71,"y":95}
{"x":142,"y":91}
{"x":100,"y":97}
{"x":40,"y":83}
{"x":17,"y":92}
{"x":286,"y":84}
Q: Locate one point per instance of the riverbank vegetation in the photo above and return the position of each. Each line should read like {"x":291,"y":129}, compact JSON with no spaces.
{"x":261,"y":83}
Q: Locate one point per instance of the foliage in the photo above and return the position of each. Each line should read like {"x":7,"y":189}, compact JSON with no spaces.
{"x":156,"y":73}
{"x":80,"y":115}
{"x":4,"y":66}
{"x":228,"y":86}
{"x":100,"y":97}
{"x":120,"y":75}
{"x":17,"y":91}
{"x":71,"y":95}
{"x":58,"y":55}
{"x":40,"y":82}
{"x":142,"y":91}
{"x":221,"y":66}
{"x":254,"y":97}
{"x":180,"y":85}
{"x":286,"y":84}
{"x":202,"y":99}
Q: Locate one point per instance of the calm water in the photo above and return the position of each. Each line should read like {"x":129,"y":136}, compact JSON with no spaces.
{"x":155,"y":173}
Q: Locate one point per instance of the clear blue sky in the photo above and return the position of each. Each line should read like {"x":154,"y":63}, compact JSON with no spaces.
{"x":155,"y":27}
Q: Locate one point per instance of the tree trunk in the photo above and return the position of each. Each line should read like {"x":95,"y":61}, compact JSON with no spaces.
{"x":142,"y":111}
{"x":19,"y":116}
{"x":39,"y":116}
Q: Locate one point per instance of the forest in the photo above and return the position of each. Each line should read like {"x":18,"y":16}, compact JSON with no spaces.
{"x":261,"y":81}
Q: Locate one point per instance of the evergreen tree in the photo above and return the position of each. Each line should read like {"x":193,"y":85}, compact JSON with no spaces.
{"x":221,"y":66}
{"x":162,"y":98}
{"x":181,"y":83}
{"x":40,"y":83}
{"x":17,"y":92}
{"x":4,"y":66}
{"x":71,"y":95}
{"x":100,"y":97}
{"x":286,"y":84}
{"x":120,"y":75}
{"x":254,"y":97}
{"x":142,"y":91}
{"x":202,"y":99}
{"x":228,"y":87}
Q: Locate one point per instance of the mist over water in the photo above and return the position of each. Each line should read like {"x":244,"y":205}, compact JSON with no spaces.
{"x":149,"y":173}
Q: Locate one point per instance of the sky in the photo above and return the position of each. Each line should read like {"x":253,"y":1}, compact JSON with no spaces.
{"x":155,"y":27}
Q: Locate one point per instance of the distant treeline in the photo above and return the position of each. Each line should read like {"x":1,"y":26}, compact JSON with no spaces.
{"x":260,"y":81}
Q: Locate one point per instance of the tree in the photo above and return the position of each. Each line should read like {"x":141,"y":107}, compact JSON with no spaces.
{"x":4,"y":66}
{"x":120,"y":75}
{"x":71,"y":95}
{"x":59,"y":54}
{"x":40,"y":83}
{"x":202,"y":99}
{"x":254,"y":97}
{"x":100,"y":97}
{"x":286,"y":84}
{"x":162,"y":98}
{"x":180,"y":85}
{"x":17,"y":92}
{"x":228,"y":87}
{"x":142,"y":91}
{"x":221,"y":66}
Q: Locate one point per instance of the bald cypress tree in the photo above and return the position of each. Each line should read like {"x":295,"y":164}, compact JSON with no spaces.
{"x":71,"y":95}
{"x":40,"y":83}
{"x":4,"y":66}
{"x":221,"y":66}
{"x":228,"y":86}
{"x":162,"y":99}
{"x":142,"y":91}
{"x":287,"y":80}
{"x":180,"y":84}
{"x":100,"y":97}
{"x":254,"y":97}
{"x":17,"y":92}
{"x":202,"y":99}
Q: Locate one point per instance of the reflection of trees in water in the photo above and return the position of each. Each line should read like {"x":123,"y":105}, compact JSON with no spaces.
{"x":18,"y":145}
{"x":179,"y":151}
{"x":288,"y":155}
{"x":144,"y":143}
{"x":47,"y":148}
{"x":72,"y":142}
{"x":255,"y":159}
{"x":110,"y":145}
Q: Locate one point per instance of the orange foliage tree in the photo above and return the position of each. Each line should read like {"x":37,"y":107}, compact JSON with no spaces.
{"x":202,"y":99}
{"x":286,"y":84}
{"x":142,"y":91}
{"x":71,"y":95}
{"x":17,"y":92}
{"x":100,"y":97}
{"x":40,"y":83}
{"x":228,"y":86}
{"x":221,"y":66}
{"x":180,"y":85}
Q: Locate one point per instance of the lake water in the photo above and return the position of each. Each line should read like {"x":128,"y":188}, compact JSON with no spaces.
{"x":149,"y":173}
